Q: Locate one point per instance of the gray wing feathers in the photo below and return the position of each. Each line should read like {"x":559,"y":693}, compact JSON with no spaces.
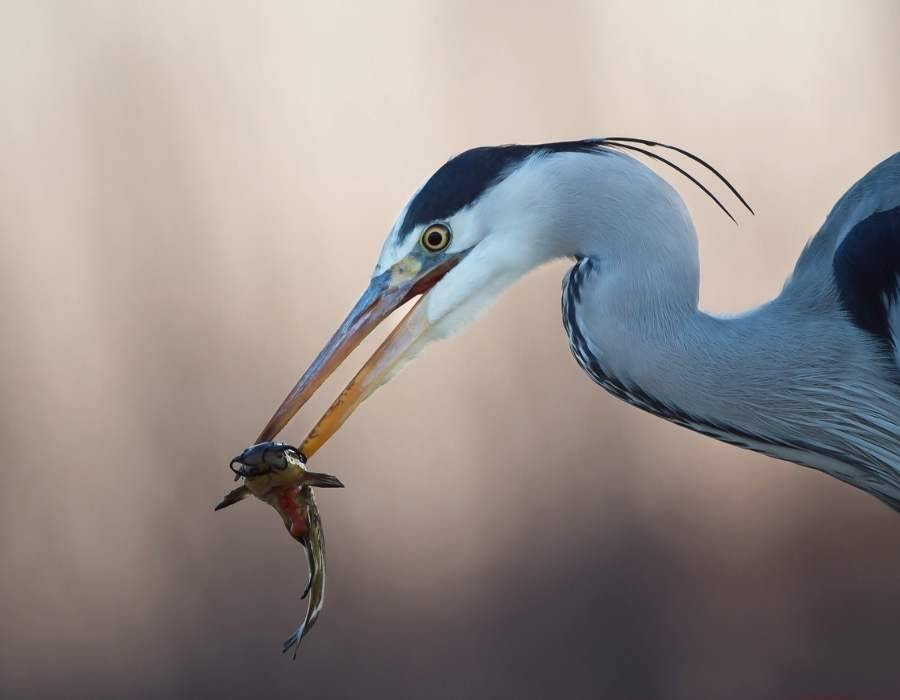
{"x":877,"y":190}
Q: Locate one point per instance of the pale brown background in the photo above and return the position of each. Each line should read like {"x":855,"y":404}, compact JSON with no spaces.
{"x":191,"y":196}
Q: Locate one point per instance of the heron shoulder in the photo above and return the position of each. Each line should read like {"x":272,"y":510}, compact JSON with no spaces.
{"x":867,"y":273}
{"x":854,"y":259}
{"x":877,"y":191}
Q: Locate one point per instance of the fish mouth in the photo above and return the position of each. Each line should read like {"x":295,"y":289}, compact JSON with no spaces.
{"x":265,"y":458}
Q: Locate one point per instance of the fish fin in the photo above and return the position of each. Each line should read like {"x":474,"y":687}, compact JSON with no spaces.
{"x":293,"y":642}
{"x":323,"y":481}
{"x":232,"y":497}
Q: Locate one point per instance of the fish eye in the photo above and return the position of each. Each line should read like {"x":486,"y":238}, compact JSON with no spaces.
{"x":435,"y":238}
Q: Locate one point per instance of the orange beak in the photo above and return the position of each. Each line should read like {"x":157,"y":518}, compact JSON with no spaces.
{"x":387,"y":292}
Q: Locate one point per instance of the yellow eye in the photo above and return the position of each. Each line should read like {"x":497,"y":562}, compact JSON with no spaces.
{"x":435,"y":238}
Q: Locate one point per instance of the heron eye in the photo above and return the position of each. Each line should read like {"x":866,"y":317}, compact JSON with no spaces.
{"x":435,"y":238}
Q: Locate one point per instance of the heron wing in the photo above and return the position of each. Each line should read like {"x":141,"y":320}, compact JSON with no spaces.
{"x":857,"y":254}
{"x":877,"y":191}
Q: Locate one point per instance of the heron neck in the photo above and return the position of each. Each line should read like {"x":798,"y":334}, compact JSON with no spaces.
{"x":750,"y":368}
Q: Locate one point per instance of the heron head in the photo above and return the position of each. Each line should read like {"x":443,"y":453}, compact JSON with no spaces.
{"x":480,"y":222}
{"x":455,"y":246}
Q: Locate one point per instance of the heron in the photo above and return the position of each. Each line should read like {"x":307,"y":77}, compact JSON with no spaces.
{"x":811,"y":377}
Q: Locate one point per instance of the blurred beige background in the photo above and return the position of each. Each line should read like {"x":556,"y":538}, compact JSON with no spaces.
{"x":192,"y":194}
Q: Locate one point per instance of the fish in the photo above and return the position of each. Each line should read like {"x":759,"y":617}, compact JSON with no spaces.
{"x":276,"y":474}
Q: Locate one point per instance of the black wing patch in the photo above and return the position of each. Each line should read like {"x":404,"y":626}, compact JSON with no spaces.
{"x":867,"y":271}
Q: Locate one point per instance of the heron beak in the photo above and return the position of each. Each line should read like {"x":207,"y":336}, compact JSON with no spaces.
{"x":386,"y":293}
